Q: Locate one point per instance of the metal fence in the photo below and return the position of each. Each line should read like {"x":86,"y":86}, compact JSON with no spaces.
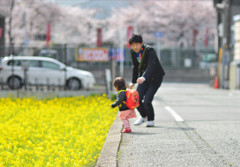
{"x":185,"y":58}
{"x":35,"y":87}
{"x":171,"y":58}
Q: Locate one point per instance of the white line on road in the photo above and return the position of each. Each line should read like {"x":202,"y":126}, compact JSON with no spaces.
{"x":177,"y":117}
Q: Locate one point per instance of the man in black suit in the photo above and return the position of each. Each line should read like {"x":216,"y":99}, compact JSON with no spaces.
{"x":148,"y":73}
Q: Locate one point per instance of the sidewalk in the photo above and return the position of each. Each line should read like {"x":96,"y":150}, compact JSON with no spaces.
{"x":208,"y":136}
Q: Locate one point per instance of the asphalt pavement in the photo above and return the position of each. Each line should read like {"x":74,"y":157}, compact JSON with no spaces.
{"x":195,"y":126}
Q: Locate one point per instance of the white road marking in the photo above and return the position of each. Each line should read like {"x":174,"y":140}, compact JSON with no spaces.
{"x":175,"y":115}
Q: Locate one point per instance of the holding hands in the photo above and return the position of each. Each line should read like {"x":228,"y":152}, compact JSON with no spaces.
{"x":131,"y":85}
{"x":140,"y":80}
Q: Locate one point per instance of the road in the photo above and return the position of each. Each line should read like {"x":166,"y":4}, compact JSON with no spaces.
{"x":195,"y":126}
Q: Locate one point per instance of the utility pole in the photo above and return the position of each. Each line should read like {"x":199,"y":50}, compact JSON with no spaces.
{"x":65,"y":62}
{"x":226,"y":41}
{"x":224,"y":32}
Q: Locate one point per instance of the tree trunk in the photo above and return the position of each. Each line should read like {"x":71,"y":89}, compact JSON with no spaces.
{"x":11,"y":49}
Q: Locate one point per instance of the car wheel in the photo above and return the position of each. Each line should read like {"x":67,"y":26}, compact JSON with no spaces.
{"x":14,"y":83}
{"x":74,"y":84}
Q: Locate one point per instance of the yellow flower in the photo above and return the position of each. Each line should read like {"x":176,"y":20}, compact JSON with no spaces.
{"x":66,"y":131}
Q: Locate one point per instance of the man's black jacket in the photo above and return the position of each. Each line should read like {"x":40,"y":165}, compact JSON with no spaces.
{"x":149,"y":66}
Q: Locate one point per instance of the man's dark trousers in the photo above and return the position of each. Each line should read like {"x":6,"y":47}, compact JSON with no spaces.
{"x":146,"y":92}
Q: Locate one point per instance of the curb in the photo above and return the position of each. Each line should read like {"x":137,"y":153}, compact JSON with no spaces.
{"x":109,"y":152}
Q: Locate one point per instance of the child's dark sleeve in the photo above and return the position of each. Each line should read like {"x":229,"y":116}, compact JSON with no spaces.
{"x":120,"y":99}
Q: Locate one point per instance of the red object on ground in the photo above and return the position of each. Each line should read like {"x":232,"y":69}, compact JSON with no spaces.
{"x":216,"y":83}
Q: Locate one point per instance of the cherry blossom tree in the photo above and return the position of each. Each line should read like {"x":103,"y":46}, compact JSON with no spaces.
{"x":68,"y":24}
{"x":30,"y":18}
{"x":176,"y":19}
{"x":75,"y":25}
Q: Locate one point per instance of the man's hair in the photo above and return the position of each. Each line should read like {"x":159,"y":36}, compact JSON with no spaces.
{"x":119,"y":83}
{"x":135,"y":38}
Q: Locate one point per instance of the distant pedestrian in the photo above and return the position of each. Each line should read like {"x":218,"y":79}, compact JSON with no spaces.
{"x":125,"y":112}
{"x":148,"y":73}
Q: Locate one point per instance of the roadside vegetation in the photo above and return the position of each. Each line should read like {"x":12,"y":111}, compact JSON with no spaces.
{"x":67,"y":131}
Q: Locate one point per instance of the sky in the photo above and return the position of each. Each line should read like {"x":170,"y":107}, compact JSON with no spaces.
{"x":104,"y":6}
{"x":81,"y":2}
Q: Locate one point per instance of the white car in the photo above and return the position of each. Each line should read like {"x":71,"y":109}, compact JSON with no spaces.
{"x":42,"y":71}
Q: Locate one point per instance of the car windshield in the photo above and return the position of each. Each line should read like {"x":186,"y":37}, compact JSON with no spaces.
{"x":209,"y":57}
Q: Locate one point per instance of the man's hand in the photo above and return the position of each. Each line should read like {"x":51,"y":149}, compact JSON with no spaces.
{"x":131,"y":85}
{"x":140,"y":80}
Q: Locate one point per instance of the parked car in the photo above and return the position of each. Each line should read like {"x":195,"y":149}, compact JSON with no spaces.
{"x":208,"y":60}
{"x":42,"y":71}
{"x":48,"y":53}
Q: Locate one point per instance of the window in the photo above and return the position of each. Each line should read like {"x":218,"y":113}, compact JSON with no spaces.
{"x":51,"y":65}
{"x":209,"y":57}
{"x":14,"y":63}
{"x":34,"y":63}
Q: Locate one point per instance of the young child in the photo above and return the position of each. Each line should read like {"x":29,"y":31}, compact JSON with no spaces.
{"x":125,"y":112}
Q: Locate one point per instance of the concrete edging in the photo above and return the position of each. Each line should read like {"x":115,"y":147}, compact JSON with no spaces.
{"x":109,"y":152}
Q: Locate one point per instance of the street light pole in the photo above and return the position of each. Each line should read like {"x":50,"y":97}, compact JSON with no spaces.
{"x":158,"y":49}
{"x":121,"y":35}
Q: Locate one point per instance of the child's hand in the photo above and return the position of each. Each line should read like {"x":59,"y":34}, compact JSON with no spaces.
{"x":131,"y":85}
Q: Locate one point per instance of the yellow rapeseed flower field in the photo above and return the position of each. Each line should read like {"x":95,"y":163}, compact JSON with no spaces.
{"x":68,"y":131}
